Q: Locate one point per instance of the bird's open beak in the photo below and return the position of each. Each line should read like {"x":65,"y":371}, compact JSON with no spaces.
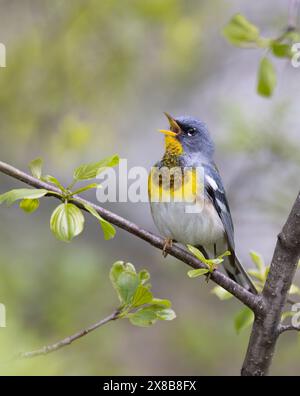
{"x":174,"y":127}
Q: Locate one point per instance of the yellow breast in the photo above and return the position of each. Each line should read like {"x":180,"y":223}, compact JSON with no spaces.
{"x":174,"y":185}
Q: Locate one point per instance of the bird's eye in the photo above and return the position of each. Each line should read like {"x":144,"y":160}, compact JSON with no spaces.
{"x":191,"y":131}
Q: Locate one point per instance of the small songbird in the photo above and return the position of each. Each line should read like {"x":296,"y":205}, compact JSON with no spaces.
{"x":187,"y":197}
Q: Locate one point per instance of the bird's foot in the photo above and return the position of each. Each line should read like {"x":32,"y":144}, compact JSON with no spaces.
{"x":167,"y":245}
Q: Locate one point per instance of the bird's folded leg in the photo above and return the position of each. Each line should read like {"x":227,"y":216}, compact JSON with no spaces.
{"x":167,"y":245}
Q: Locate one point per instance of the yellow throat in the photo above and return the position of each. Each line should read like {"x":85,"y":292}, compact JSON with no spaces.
{"x":173,"y":149}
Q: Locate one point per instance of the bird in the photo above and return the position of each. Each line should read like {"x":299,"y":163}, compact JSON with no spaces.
{"x":187,"y":197}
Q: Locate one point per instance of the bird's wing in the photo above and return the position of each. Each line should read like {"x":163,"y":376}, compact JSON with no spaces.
{"x":215,"y":191}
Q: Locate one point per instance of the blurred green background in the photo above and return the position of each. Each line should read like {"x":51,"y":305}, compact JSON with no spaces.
{"x":86,"y":79}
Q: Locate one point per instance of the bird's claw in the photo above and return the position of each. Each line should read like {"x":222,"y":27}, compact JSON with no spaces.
{"x":167,"y":245}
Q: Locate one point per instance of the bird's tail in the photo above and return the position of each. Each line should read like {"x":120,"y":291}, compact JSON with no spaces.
{"x":237,"y":272}
{"x":233,"y":268}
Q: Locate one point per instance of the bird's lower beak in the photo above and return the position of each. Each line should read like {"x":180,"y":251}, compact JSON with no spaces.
{"x":167,"y":132}
{"x":174,"y":127}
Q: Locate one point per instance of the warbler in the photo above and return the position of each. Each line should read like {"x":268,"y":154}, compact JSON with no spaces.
{"x":187,"y":198}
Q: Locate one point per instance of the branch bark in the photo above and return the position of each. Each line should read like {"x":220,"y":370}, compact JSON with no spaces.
{"x":266,"y":328}
{"x":68,"y":340}
{"x":284,"y":328}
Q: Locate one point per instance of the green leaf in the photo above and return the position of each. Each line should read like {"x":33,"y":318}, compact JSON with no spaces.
{"x":196,"y":252}
{"x":141,"y":296}
{"x":197,"y":272}
{"x":266,"y":78}
{"x":143,"y":317}
{"x":221,"y":293}
{"x":29,"y":205}
{"x":67,"y":221}
{"x":240,"y":32}
{"x":161,"y":302}
{"x":225,"y":254}
{"x":53,"y":180}
{"x":294,"y":289}
{"x":149,"y":315}
{"x":35,"y":167}
{"x":117,"y":268}
{"x":281,"y":50}
{"x":243,"y":319}
{"x":11,"y":196}
{"x":257,"y":275}
{"x":213,"y":262}
{"x":85,"y":188}
{"x":258,"y":261}
{"x":125,"y":281}
{"x":293,"y":36}
{"x":166,"y":314}
{"x":90,"y":171}
{"x":144,"y":276}
{"x":109,"y":230}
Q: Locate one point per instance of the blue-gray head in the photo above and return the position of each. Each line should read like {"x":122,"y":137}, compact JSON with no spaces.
{"x":192,"y":135}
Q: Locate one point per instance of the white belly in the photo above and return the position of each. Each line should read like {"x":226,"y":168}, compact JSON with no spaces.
{"x":203,"y":228}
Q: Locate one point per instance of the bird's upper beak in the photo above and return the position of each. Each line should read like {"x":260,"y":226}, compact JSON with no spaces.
{"x":174,"y":127}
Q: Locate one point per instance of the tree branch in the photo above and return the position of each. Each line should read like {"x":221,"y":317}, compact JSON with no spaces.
{"x":283,"y":328}
{"x":283,"y":267}
{"x":68,"y":340}
{"x":254,"y":302}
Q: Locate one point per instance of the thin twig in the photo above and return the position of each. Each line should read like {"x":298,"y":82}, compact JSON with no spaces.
{"x":283,"y":328}
{"x":254,"y":302}
{"x":68,"y":340}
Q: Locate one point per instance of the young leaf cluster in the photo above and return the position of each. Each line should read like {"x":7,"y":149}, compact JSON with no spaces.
{"x":137,"y":302}
{"x":210,"y":263}
{"x":67,"y":220}
{"x":244,"y":34}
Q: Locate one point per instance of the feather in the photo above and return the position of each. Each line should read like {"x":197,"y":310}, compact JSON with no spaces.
{"x":216,"y":193}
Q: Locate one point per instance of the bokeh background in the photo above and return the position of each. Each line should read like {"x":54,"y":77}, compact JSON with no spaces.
{"x":86,"y":79}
